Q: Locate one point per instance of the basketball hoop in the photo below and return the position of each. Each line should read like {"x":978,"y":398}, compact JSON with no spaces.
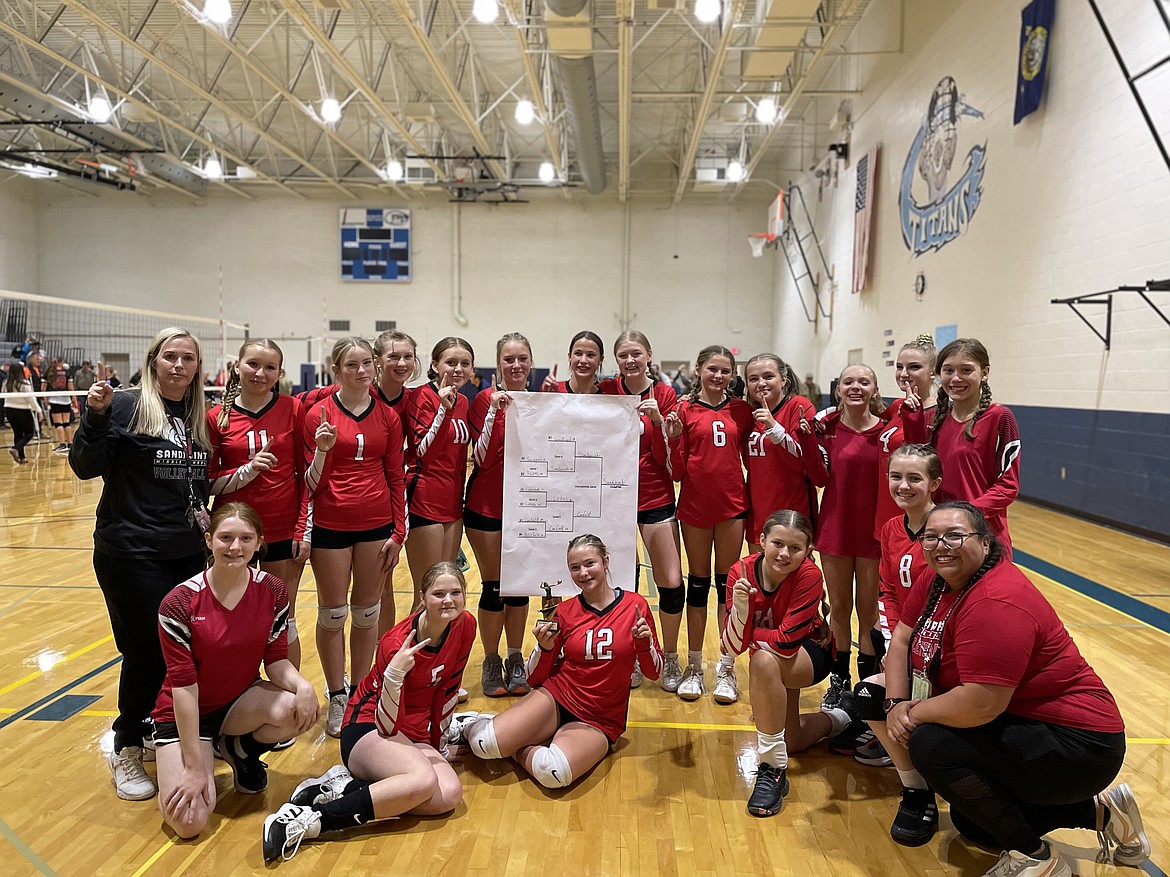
{"x":758,"y":242}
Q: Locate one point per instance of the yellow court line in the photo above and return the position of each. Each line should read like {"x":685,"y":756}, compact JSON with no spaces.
{"x":1072,"y":590}
{"x":1147,"y":741}
{"x":690,"y":726}
{"x":158,"y":854}
{"x":39,"y":673}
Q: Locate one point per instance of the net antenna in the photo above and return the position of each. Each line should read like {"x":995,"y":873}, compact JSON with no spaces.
{"x":759,"y":241}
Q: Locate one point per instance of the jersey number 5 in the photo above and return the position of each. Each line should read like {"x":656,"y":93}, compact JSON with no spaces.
{"x":599,"y":649}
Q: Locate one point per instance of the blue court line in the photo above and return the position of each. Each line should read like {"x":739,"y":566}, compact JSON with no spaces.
{"x":1153,"y":870}
{"x":1143,"y":612}
{"x":64,"y":707}
{"x":25,"y":850}
{"x":48,"y":698}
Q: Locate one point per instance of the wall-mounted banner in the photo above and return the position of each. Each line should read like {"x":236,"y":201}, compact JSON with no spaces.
{"x":945,"y":213}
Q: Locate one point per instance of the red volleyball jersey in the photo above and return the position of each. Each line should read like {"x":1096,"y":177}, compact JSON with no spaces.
{"x":1003,"y":632}
{"x":276,"y":495}
{"x":777,"y":621}
{"x":902,"y":564}
{"x":219,"y":649}
{"x":655,"y":488}
{"x":439,"y":467}
{"x":309,"y":398}
{"x":775,"y":471}
{"x":844,"y":463}
{"x":901,"y":427}
{"x":421,"y":709}
{"x":563,"y":387}
{"x":588,"y":669}
{"x":361,"y":486}
{"x":708,"y":461}
{"x":485,"y":487}
{"x":986,"y":471}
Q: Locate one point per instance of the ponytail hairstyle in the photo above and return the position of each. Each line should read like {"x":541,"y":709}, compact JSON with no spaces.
{"x":788,"y":377}
{"x":638,"y":338}
{"x":243,"y":511}
{"x":920,"y":452}
{"x":705,"y":354}
{"x":344,"y":346}
{"x":437,"y":571}
{"x":794,"y":520}
{"x":231,"y":390}
{"x":510,"y":337}
{"x":590,"y":541}
{"x":150,"y":413}
{"x":442,"y":347}
{"x":876,"y":404}
{"x":925,"y":343}
{"x":974,"y":349}
{"x":386,"y":340}
{"x":16,"y":377}
{"x":586,"y":335}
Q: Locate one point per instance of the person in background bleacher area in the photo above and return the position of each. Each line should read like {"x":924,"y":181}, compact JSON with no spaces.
{"x":812,"y":391}
{"x":83,"y":379}
{"x":23,"y":410}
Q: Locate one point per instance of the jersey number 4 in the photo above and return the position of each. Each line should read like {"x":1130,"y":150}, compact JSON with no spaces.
{"x":599,"y":648}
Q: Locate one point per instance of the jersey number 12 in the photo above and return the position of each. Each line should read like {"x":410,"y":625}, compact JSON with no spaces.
{"x":599,"y":648}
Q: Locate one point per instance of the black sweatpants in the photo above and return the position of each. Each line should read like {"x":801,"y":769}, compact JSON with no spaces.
{"x":24,"y":427}
{"x":134,"y":588}
{"x":1017,"y":779}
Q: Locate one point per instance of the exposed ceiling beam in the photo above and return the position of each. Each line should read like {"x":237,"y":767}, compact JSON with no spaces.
{"x":625,"y":23}
{"x":535,"y":87}
{"x":714,"y":74}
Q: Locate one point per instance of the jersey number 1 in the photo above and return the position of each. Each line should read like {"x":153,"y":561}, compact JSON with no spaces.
{"x":599,"y":649}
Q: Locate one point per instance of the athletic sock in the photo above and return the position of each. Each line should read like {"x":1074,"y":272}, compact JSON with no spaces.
{"x":727,"y":660}
{"x":356,"y":807}
{"x":695,"y":658}
{"x":516,"y":652}
{"x":249,"y":746}
{"x":867,"y":665}
{"x":841,"y":664}
{"x":772,"y":749}
{"x":341,"y":690}
{"x":912,"y":779}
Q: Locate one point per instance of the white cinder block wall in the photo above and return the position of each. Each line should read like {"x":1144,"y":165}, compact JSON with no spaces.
{"x":1075,"y":199}
{"x":18,"y":235}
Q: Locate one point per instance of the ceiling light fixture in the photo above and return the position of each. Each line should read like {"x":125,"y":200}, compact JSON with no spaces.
{"x":218,"y":11}
{"x":736,"y":171}
{"x":525,"y":111}
{"x":394,"y":171}
{"x":331,"y":110}
{"x":547,"y":172}
{"x":99,"y":108}
{"x":707,"y":10}
{"x":485,"y":11}
{"x":212,"y":169}
{"x":766,"y":111}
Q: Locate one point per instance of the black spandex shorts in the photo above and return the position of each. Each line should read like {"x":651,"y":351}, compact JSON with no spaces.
{"x":323,"y":538}
{"x":55,"y":408}
{"x":350,"y":734}
{"x":417,"y":521}
{"x":564,"y":717}
{"x":822,"y":661}
{"x":166,"y":733}
{"x":275,"y":551}
{"x":658,"y":515}
{"x":476,"y":521}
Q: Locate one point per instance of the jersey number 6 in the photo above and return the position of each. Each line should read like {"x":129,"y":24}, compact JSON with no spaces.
{"x":718,"y":436}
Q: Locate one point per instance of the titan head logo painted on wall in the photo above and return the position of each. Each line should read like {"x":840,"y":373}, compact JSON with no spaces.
{"x":945,"y":213}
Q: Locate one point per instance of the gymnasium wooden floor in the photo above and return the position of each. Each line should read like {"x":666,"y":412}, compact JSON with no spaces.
{"x":671,"y":801}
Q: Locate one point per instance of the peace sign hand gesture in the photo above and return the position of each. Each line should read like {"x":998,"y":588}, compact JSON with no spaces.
{"x":403,"y":661}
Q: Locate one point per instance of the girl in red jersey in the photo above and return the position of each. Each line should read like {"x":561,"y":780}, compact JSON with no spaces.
{"x":977,"y":439}
{"x":775,"y":612}
{"x":483,"y":518}
{"x":215,"y":629}
{"x":775,"y":471}
{"x":255,"y":458}
{"x":586,"y":353}
{"x":1000,"y":713}
{"x":708,"y":435}
{"x":904,"y":419}
{"x":394,"y":755}
{"x":395,"y":355}
{"x":356,"y":515}
{"x":436,"y":418}
{"x":579,"y":672}
{"x":62,"y":405}
{"x":914,"y":473}
{"x":842,"y":457}
{"x":657,"y":523}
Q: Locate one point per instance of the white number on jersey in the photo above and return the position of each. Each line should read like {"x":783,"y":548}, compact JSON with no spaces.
{"x":904,"y":570}
{"x":885,"y":437}
{"x":756,"y":445}
{"x":361,"y":440}
{"x":718,"y":436}
{"x":462,"y":435}
{"x":256,"y":442}
{"x":599,"y":650}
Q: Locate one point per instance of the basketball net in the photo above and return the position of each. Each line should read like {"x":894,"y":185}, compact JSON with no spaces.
{"x":758,"y":242}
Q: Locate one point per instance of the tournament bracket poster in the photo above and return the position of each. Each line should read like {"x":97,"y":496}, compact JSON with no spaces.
{"x":570,"y":467}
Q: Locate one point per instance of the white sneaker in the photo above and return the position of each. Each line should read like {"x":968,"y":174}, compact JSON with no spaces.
{"x":130,"y":777}
{"x":460,"y":722}
{"x":462,"y":696}
{"x":286,"y":828}
{"x":321,"y":790}
{"x":637,"y":677}
{"x":335,"y":713}
{"x":671,"y":673}
{"x":690,"y":687}
{"x":1124,"y":829}
{"x":1015,"y":864}
{"x":148,"y":748}
{"x":726,"y":685}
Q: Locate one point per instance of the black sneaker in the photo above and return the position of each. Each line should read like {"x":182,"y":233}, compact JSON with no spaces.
{"x":286,"y":828}
{"x":838,"y":685}
{"x":248,"y":771}
{"x":768,"y":794}
{"x":857,"y":734}
{"x":917,"y":818}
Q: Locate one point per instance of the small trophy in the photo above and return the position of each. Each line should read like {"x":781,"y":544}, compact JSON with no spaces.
{"x":548,"y":605}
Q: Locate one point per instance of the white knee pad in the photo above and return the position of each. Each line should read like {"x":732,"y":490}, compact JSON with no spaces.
{"x":332,"y":617}
{"x":551,"y":768}
{"x":365,"y":617}
{"x":292,"y":630}
{"x":481,"y":737}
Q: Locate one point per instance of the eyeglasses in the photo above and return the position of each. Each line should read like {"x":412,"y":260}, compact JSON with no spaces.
{"x":949,"y":540}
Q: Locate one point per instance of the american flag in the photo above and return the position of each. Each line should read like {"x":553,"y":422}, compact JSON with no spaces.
{"x":863,"y":217}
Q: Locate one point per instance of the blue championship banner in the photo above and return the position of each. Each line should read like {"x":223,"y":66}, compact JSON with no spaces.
{"x":1035,"y":34}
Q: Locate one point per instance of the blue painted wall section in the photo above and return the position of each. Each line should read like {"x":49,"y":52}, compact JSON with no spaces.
{"x":1116,"y":463}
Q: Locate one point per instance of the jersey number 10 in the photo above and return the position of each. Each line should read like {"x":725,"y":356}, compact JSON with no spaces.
{"x":599,"y":648}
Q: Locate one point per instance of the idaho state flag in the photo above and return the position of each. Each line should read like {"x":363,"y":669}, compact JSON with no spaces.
{"x":1035,"y":32}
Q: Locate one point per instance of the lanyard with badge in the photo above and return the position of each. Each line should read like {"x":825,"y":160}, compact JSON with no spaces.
{"x":921,"y":686}
{"x":197,"y":515}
